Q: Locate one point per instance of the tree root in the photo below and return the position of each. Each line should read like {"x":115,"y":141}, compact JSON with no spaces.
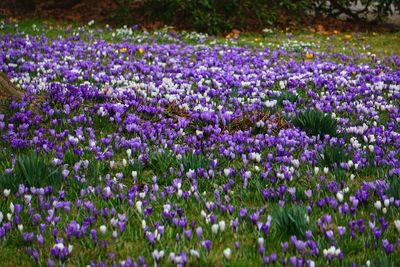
{"x":7,"y":92}
{"x":8,"y":89}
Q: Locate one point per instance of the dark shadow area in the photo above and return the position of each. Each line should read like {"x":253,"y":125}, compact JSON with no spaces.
{"x":215,"y":16}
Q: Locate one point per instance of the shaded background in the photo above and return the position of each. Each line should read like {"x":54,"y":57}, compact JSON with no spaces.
{"x":217,"y":16}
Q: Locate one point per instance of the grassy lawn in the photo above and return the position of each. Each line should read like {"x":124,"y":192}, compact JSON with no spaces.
{"x":281,"y":147}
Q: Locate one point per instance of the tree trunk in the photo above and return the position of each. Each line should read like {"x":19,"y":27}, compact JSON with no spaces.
{"x":8,"y":89}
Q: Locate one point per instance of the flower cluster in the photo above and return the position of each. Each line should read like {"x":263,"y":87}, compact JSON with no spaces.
{"x":167,"y":148}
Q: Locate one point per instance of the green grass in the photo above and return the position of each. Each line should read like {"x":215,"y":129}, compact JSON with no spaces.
{"x":31,"y":169}
{"x":316,"y":123}
{"x":285,"y":222}
{"x":382,"y":44}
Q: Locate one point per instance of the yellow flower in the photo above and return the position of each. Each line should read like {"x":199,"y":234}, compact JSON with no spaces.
{"x":141,"y":50}
{"x":309,"y":55}
{"x":123,"y":50}
{"x":228,"y":36}
{"x":347,"y":36}
{"x":256,"y":40}
{"x":335,"y":32}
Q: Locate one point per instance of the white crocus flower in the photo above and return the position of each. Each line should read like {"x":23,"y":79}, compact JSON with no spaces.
{"x":129,"y":152}
{"x":139,"y":206}
{"x":6,"y":192}
{"x":296,"y":163}
{"x":386,"y":202}
{"x":103,"y":229}
{"x":222,"y":225}
{"x":227,"y":172}
{"x":227,"y":253}
{"x":378,"y":205}
{"x":214,"y":228}
{"x":397,"y":225}
{"x":339,"y":196}
{"x":195,"y":253}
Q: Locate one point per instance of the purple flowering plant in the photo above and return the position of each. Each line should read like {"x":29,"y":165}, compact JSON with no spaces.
{"x":134,"y":149}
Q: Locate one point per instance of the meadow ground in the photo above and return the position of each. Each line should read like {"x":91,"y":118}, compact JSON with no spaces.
{"x":177,"y":148}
